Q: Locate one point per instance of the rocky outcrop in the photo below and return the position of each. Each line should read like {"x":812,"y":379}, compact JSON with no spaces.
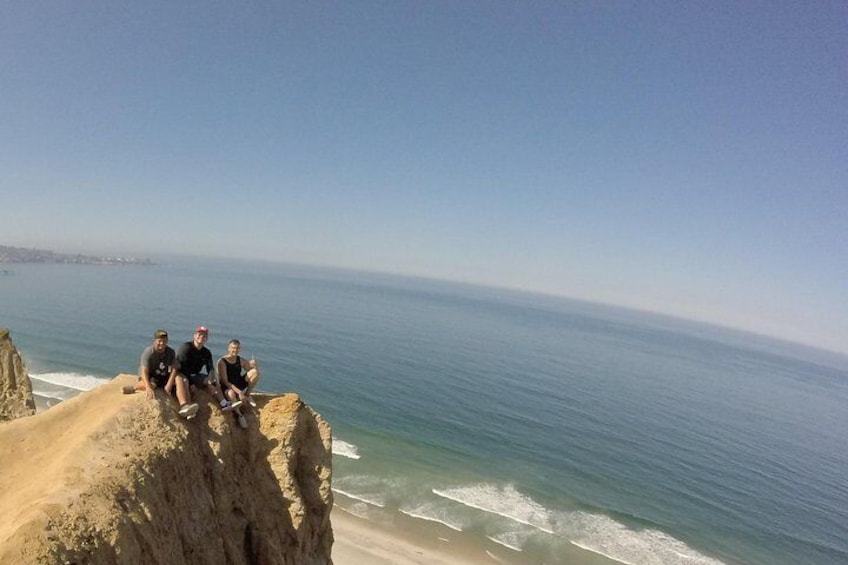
{"x":107,"y":478}
{"x":15,"y":387}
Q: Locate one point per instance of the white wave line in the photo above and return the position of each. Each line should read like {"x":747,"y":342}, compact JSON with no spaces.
{"x":587,"y":548}
{"x":345,"y":449}
{"x":430,"y":519}
{"x":351,"y":512}
{"x":359,"y":498}
{"x":344,"y":454}
{"x":489,"y":510}
{"x":493,"y":556}
{"x":49,"y":378}
{"x":506,"y":545}
{"x":43,"y":394}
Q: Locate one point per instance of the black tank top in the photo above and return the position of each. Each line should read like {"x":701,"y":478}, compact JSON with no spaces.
{"x":234,"y":372}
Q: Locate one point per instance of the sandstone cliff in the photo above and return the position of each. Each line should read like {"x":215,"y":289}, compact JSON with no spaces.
{"x":15,"y":387}
{"x":107,"y":478}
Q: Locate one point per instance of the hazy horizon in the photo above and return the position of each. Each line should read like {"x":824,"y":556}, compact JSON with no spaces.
{"x":674,"y":158}
{"x":160,"y":257}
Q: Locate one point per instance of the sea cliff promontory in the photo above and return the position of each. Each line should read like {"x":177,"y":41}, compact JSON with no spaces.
{"x":15,"y":387}
{"x":108,"y":478}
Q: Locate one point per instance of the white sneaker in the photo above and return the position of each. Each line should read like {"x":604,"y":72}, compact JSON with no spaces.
{"x":231,"y":406}
{"x":242,"y":421}
{"x":250,"y":400}
{"x":188,"y":410}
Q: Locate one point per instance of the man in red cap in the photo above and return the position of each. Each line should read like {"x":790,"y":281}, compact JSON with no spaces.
{"x":198,"y":370}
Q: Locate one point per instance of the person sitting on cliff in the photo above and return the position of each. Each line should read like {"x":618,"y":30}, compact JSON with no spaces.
{"x":238,"y":377}
{"x":193,"y":357}
{"x":158,"y":368}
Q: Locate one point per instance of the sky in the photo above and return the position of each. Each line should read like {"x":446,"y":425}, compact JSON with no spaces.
{"x":687,"y":158}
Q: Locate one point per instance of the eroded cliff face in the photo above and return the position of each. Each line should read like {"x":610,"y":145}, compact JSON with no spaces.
{"x":107,"y":478}
{"x":15,"y":387}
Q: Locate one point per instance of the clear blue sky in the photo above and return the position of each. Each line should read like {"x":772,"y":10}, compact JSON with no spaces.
{"x":689,"y":158}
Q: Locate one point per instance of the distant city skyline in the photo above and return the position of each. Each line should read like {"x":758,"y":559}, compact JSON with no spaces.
{"x":683,"y":159}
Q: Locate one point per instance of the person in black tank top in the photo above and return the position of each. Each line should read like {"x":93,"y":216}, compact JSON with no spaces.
{"x":234,"y":372}
{"x":238,"y":377}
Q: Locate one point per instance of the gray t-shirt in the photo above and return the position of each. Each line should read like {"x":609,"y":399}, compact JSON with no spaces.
{"x":158,"y":364}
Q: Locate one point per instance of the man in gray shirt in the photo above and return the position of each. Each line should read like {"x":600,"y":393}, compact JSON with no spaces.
{"x":158,"y":368}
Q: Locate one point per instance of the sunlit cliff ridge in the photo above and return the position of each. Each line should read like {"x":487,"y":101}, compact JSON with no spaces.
{"x":107,"y":478}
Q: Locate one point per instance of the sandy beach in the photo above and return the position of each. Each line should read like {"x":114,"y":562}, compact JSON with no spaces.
{"x":358,"y":541}
{"x":407,"y":541}
{"x":361,"y":542}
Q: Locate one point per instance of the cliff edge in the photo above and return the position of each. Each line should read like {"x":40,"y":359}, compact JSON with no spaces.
{"x":107,"y":478}
{"x":15,"y":387}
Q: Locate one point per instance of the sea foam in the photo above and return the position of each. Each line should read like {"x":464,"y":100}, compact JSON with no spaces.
{"x":597,"y":533}
{"x":431,"y":512}
{"x":62,"y":386}
{"x":345,"y":449}
{"x":602,"y":535}
{"x":501,"y":500}
{"x":509,"y":540}
{"x":74,"y":381}
{"x":365,"y":488}
{"x":361,"y":498}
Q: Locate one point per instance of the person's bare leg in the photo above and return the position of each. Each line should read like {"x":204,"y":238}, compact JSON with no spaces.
{"x":216,"y":392}
{"x":252,"y":377}
{"x":183,"y":392}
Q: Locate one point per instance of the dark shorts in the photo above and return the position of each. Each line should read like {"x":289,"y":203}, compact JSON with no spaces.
{"x":240,"y":382}
{"x":157,"y":381}
{"x":200,"y":380}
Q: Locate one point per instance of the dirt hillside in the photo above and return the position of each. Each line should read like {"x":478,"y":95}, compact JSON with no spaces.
{"x":112,"y":478}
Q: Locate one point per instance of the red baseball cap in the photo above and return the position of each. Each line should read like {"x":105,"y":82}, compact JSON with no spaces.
{"x":201,"y":330}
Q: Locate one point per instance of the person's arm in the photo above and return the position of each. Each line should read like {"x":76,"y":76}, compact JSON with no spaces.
{"x":222,"y":374}
{"x":181,"y":355}
{"x":144,"y":373}
{"x":249,"y":364}
{"x":252,"y":377}
{"x":211,"y":377}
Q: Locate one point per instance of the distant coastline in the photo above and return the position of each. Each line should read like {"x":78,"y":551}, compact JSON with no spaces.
{"x":10,"y":254}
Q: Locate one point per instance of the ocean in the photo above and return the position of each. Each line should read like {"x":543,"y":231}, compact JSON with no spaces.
{"x":543,"y":430}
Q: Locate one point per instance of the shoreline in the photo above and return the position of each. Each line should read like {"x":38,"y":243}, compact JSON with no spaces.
{"x":404,"y":540}
{"x":359,"y":541}
{"x":43,"y":403}
{"x":401,"y":539}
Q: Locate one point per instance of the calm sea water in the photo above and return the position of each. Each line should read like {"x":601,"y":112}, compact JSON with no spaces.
{"x":529,"y":425}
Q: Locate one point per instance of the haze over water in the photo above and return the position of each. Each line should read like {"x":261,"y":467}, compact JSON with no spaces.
{"x":677,"y":157}
{"x":529,"y":425}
